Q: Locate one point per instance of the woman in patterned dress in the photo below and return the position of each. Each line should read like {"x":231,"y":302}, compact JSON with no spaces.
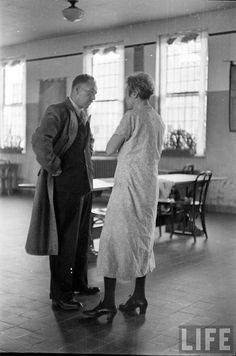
{"x":127,"y":238}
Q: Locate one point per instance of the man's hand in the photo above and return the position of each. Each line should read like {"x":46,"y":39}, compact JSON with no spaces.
{"x":57,"y":173}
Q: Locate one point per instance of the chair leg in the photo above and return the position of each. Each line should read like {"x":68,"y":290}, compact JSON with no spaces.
{"x":203,"y":221}
{"x":159,"y":216}
{"x":194,"y":227}
{"x":10,"y":185}
{"x":172,"y":222}
{"x":185,"y":223}
{"x":3,"y":186}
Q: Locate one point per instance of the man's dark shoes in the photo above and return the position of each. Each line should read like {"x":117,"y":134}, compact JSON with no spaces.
{"x":88,"y":291}
{"x":70,"y":304}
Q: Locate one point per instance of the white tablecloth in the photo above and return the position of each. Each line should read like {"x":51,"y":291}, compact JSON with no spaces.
{"x":164,"y":188}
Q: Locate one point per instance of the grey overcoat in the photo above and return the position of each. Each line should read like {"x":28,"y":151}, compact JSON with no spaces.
{"x":42,"y":238}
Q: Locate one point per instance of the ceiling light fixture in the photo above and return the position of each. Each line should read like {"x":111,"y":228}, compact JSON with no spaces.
{"x":73,"y":13}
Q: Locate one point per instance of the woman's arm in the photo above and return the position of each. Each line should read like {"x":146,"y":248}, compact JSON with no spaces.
{"x":121,"y":134}
{"x":114,"y":144}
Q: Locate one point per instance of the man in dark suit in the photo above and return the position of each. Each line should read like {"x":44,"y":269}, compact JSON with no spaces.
{"x":63,"y":146}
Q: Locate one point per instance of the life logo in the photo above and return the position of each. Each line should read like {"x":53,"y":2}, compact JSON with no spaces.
{"x":206,"y":339}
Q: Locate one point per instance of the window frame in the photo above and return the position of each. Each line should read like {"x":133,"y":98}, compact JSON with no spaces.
{"x":88,"y":68}
{"x":21,"y":104}
{"x":201,"y":93}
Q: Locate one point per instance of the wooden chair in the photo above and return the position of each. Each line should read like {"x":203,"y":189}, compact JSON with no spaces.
{"x":165,"y":214}
{"x":186,"y":211}
{"x":6,"y":177}
{"x":187,"y":169}
{"x":98,"y":213}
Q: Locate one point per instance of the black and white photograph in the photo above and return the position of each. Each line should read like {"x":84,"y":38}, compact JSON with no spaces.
{"x":118,"y":177}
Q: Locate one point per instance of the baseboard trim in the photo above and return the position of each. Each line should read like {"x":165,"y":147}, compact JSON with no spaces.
{"x":229,"y":209}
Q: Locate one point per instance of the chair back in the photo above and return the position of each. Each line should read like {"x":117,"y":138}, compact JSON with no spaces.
{"x":5,"y":168}
{"x":201,"y":185}
{"x":188,"y":169}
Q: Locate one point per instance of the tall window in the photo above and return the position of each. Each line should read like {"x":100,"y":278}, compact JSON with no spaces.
{"x":183,"y":90}
{"x":106,"y":64}
{"x":12,"y":106}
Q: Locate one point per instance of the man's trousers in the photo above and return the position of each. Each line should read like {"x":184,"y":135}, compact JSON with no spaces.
{"x":69,"y":268}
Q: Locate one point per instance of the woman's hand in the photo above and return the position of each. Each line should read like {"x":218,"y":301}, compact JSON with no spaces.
{"x":114,"y":144}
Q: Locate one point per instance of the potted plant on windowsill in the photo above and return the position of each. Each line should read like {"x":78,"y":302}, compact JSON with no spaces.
{"x":9,"y":149}
{"x":179,"y":143}
{"x":12,"y":144}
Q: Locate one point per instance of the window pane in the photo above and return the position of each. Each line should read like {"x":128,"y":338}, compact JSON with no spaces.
{"x":13,"y":134}
{"x":13,"y":84}
{"x":105,"y":118}
{"x":183,"y":84}
{"x":107,"y":67}
{"x":13,"y":117}
{"x":183,"y":63}
{"x":182,"y":111}
{"x":106,"y":71}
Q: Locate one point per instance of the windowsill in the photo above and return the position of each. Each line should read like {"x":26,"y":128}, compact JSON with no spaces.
{"x":11,"y":151}
{"x":179,"y":154}
{"x":176,"y":153}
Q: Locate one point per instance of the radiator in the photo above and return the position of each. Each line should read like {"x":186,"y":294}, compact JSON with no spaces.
{"x":104,"y":168}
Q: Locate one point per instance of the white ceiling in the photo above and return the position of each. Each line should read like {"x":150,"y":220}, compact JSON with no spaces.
{"x":28,"y":20}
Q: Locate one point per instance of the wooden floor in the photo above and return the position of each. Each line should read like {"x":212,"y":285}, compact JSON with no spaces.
{"x":193,"y":284}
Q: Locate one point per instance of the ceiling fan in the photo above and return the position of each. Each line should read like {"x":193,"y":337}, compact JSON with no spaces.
{"x":73,"y":13}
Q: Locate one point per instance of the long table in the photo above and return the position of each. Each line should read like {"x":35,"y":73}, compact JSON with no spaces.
{"x":101,"y":184}
{"x":98,"y":184}
{"x":180,"y":178}
{"x":166,"y":183}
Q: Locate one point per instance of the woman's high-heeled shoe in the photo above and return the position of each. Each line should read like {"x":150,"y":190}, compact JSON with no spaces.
{"x":133,"y":303}
{"x":101,"y":310}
